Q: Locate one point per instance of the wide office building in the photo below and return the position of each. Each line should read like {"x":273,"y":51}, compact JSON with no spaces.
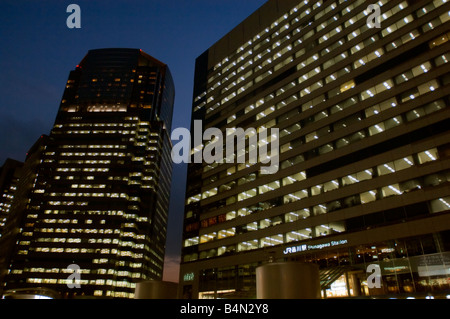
{"x":364,"y":151}
{"x":96,"y":214}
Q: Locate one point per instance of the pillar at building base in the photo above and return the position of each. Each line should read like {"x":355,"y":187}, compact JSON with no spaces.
{"x":287,"y":280}
{"x":154,"y":289}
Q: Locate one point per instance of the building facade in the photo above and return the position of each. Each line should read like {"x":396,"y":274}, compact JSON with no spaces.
{"x":95,"y":221}
{"x":9,"y":177}
{"x":361,"y":104}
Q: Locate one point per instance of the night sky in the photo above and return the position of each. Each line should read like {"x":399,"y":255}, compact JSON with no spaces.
{"x":38,"y":51}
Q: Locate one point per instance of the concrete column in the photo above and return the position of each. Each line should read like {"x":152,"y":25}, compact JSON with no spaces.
{"x":288,"y":280}
{"x":155,"y":289}
{"x":356,"y":284}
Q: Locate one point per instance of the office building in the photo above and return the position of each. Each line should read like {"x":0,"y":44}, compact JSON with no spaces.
{"x":363,"y":176}
{"x":9,"y":176}
{"x":17,"y":195}
{"x":95,"y":222}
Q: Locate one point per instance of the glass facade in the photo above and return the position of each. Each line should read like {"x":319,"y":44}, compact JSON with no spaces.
{"x":362,"y":115}
{"x":100,"y":196}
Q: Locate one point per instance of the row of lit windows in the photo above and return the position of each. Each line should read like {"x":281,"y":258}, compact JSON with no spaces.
{"x":298,"y":54}
{"x":141,"y":125}
{"x":88,"y":186}
{"x":376,"y":53}
{"x":83,"y":230}
{"x":365,"y":197}
{"x":403,"y":163}
{"x":114,"y":241}
{"x":67,"y":203}
{"x":437,"y":205}
{"x":111,"y":195}
{"x":6,"y":201}
{"x":115,"y":154}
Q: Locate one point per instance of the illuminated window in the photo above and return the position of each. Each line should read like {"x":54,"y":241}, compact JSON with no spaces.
{"x":296,"y":215}
{"x":247,"y":194}
{"x":391,"y":190}
{"x":331,"y":185}
{"x":428,"y":87}
{"x":316,"y":190}
{"x":368,"y":197}
{"x":403,"y":40}
{"x":442,"y":59}
{"x":269,"y":187}
{"x":439,"y":41}
{"x":298,"y":235}
{"x":440,"y":205}
{"x":271,"y":240}
{"x":358,"y":177}
{"x":428,"y":156}
{"x":410,"y":185}
{"x":378,"y":108}
{"x":295,"y":196}
{"x":319,"y":209}
{"x":248,"y":245}
{"x":403,"y":163}
{"x":385,"y":169}
{"x":226,"y":233}
{"x":209,"y":193}
{"x":347,"y":86}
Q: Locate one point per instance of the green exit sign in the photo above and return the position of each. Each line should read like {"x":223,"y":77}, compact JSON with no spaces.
{"x":188,"y":276}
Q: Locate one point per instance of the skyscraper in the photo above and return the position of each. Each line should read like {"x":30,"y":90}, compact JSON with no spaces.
{"x":362,"y":111}
{"x":99,"y":203}
{"x":9,"y":176}
{"x":17,"y":195}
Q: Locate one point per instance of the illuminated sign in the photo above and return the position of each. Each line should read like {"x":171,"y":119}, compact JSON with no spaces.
{"x":188,"y":276}
{"x":299,"y":248}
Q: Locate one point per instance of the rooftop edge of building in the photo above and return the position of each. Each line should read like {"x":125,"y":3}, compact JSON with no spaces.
{"x":118,"y":57}
{"x":248,"y":28}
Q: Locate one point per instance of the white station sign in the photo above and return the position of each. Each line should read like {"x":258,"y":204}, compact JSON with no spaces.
{"x":299,"y":248}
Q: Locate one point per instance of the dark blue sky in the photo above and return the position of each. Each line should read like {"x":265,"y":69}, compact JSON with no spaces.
{"x":38,"y":51}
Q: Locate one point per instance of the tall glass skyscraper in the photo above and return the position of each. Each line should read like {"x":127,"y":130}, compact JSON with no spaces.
{"x":363,"y":118}
{"x":100,"y":198}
